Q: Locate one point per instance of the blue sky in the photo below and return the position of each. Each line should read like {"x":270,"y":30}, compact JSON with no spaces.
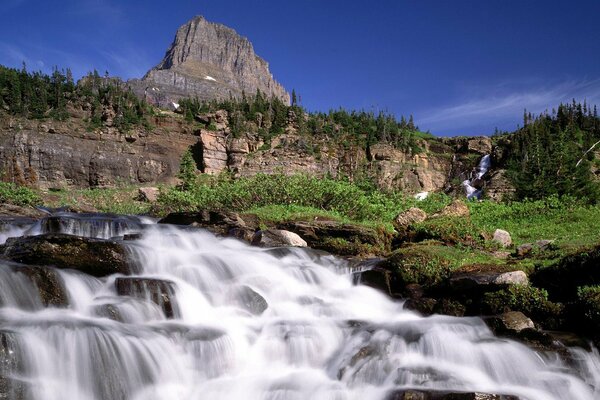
{"x":460,"y":67}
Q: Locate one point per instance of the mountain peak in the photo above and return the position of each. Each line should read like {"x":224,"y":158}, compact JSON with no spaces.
{"x":210,"y":61}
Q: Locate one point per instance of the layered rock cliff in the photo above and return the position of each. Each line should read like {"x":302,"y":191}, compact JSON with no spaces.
{"x":208,"y":61}
{"x":54,"y":154}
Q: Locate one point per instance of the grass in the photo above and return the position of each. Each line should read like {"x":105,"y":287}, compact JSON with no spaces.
{"x":571,"y":224}
{"x":18,"y":195}
{"x":121,"y":200}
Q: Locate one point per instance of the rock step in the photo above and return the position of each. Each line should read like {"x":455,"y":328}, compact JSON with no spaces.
{"x":158,"y":291}
{"x":94,"y":257}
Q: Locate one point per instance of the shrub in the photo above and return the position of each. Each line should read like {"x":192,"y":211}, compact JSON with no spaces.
{"x":529,"y":300}
{"x":589,"y":301}
{"x":18,"y":195}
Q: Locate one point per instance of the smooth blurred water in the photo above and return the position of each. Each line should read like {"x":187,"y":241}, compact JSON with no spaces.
{"x":321,"y":336}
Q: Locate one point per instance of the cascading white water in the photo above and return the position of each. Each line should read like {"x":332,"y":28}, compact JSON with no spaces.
{"x":469,"y":185}
{"x":253,"y":323}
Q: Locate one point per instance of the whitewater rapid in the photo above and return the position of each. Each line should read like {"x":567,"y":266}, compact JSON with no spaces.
{"x":319,"y":337}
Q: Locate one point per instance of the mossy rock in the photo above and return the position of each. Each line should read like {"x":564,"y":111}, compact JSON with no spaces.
{"x":529,"y":300}
{"x":421,"y":264}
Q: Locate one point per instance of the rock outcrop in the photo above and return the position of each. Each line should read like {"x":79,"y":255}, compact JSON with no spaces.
{"x":208,"y":61}
{"x":72,"y":156}
{"x":91,"y":256}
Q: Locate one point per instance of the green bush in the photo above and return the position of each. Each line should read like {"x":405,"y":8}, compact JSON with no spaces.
{"x":18,"y":195}
{"x":530,"y":300}
{"x":589,"y":300}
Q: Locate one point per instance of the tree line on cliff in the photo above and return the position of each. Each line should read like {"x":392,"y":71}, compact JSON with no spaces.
{"x":554,"y":153}
{"x":36,"y":95}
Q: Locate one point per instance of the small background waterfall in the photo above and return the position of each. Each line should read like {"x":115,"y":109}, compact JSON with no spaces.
{"x":474,"y":186}
{"x":212,"y":318}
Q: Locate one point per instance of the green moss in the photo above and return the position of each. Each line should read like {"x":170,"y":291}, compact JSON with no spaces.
{"x":530,"y":300}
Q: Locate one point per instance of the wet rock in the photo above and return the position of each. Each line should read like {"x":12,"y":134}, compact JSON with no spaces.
{"x":410,"y":394}
{"x":49,"y":284}
{"x":149,"y":194}
{"x":382,"y":279}
{"x":250,"y":300}
{"x":424,"y":305}
{"x":502,"y":237}
{"x":109,"y":311}
{"x":10,"y":365}
{"x":449,"y":307}
{"x":414,"y":291}
{"x":95,"y":257}
{"x":96,"y":225}
{"x":406,"y":218}
{"x":277,"y":238}
{"x":511,"y":321}
{"x":158,"y":291}
{"x":132,"y":236}
{"x":220,"y":223}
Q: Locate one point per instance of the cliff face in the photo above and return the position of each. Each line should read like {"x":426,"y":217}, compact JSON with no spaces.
{"x":65,"y":154}
{"x":55,"y":154}
{"x":210,"y":61}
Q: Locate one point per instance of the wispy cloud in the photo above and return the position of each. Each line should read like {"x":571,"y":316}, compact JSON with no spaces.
{"x":13,"y":55}
{"x":499,"y":104}
{"x":101,"y":9}
{"x":127,"y":61}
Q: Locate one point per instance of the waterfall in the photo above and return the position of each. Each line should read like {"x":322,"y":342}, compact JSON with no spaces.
{"x":213,"y":318}
{"x":473,"y":187}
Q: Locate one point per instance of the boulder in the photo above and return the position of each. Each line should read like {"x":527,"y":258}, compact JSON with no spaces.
{"x":277,"y":238}
{"x":502,"y":237}
{"x":95,"y":257}
{"x":158,"y":291}
{"x":524,"y":250}
{"x":511,"y":278}
{"x":511,"y":321}
{"x":457,"y":208}
{"x":149,"y":194}
{"x":485,"y":281}
{"x":406,"y":218}
{"x":250,"y":300}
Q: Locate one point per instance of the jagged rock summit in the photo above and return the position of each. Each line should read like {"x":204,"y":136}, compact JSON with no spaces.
{"x":210,"y":61}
